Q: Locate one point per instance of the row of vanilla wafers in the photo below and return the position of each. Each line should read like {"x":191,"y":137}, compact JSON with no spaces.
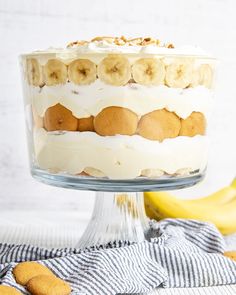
{"x":156,"y":125}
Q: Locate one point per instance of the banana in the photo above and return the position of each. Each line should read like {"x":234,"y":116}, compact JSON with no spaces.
{"x":55,"y":72}
{"x":203,"y":76}
{"x":220,"y":197}
{"x":34,"y":72}
{"x":150,"y":211}
{"x":82,"y":72}
{"x":179,"y":73}
{"x":224,"y":217}
{"x":149,"y":71}
{"x":218,"y":208}
{"x":115,"y":70}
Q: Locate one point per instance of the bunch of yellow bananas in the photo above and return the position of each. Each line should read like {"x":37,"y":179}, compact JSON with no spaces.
{"x":218,"y":208}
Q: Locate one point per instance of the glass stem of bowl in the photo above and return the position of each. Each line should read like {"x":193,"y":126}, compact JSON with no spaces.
{"x":116,"y":217}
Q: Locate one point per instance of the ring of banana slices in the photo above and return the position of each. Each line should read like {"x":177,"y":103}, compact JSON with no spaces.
{"x":118,"y":70}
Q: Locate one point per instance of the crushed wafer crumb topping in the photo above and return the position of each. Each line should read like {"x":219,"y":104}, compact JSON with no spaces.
{"x":121,"y":41}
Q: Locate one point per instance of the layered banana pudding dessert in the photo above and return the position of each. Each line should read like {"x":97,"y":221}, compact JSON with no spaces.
{"x":119,"y":108}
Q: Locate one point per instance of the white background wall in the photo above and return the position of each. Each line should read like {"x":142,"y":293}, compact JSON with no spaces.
{"x":29,"y":25}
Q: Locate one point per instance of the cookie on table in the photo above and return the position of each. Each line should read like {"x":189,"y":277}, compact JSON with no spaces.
{"x":86,"y":124}
{"x":231,"y":255}
{"x":115,"y":120}
{"x":58,"y":117}
{"x":25,"y":271}
{"x":6,"y":290}
{"x":48,"y":285}
{"x":195,"y":124}
{"x":159,"y":124}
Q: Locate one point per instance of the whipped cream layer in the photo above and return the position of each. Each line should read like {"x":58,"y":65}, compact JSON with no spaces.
{"x":106,"y":47}
{"x":117,"y":157}
{"x":87,"y":100}
{"x":97,"y":50}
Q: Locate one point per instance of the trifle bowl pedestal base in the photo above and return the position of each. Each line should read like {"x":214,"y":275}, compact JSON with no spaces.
{"x":119,"y":215}
{"x":117,"y":218}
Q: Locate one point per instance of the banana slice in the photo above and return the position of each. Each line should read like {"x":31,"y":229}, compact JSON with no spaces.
{"x":195,"y":79}
{"x":82,"y":72}
{"x":206,"y":75}
{"x":115,"y":70}
{"x":193,"y":125}
{"x":179,"y":74}
{"x":203,"y":76}
{"x":34,"y":72}
{"x":183,"y":171}
{"x":115,"y":120}
{"x":152,"y":172}
{"x":55,"y":72}
{"x":58,"y":117}
{"x":159,"y":124}
{"x":94,"y":172}
{"x":149,"y":71}
{"x":86,"y":124}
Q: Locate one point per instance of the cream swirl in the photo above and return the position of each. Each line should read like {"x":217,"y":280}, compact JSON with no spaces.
{"x":88,"y":100}
{"x":117,"y":157}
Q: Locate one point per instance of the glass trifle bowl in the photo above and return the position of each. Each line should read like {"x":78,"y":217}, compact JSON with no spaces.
{"x":118,"y":115}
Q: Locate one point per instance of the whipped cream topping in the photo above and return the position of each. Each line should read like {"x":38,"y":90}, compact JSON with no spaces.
{"x":117,"y":157}
{"x":87,"y":100}
{"x":105,"y":47}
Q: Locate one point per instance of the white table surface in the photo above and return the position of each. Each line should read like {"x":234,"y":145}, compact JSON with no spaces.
{"x":63,"y":229}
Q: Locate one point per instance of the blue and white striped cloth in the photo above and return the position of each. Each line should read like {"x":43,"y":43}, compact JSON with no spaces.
{"x":180,"y":253}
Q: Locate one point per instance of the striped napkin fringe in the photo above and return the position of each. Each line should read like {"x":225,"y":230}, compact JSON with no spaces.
{"x":180,"y":253}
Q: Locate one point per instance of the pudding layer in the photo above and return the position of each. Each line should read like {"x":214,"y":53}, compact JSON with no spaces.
{"x":118,"y":157}
{"x":88,"y":100}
